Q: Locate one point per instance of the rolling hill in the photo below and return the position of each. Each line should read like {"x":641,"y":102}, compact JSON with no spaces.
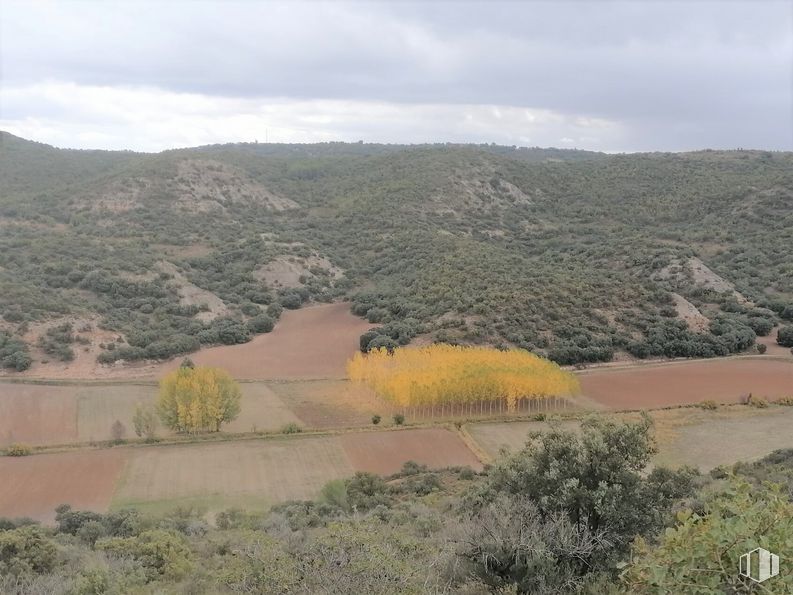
{"x":575,"y":255}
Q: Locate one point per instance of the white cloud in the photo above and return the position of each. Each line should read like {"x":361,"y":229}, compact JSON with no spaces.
{"x":150,"y":119}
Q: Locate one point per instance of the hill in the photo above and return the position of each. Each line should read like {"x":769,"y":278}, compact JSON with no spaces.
{"x":571,"y":254}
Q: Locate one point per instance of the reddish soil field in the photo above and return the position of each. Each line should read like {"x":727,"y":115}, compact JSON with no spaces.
{"x":386,"y":452}
{"x":34,"y":486}
{"x":37,"y":414}
{"x":313,"y":342}
{"x":681,"y":383}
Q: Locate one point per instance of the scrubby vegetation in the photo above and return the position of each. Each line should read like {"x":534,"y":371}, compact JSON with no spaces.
{"x":568,"y":254}
{"x":573,"y":512}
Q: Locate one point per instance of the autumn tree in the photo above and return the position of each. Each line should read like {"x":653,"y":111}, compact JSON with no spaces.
{"x":144,"y":421}
{"x":453,"y":375}
{"x":198,"y":399}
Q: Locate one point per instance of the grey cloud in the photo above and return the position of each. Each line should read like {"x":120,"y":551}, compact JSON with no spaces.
{"x":677,"y":74}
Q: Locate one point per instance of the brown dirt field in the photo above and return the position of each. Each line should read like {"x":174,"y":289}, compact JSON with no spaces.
{"x":66,"y":414}
{"x":679,"y":383}
{"x":725,"y":437}
{"x":37,"y":414}
{"x":313,"y":342}
{"x":689,"y":436}
{"x":331,"y":403}
{"x":269,"y":471}
{"x":386,"y":452}
{"x":33,"y":486}
{"x":510,"y":436}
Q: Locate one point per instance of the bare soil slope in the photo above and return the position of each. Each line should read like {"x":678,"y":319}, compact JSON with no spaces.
{"x":312,"y":342}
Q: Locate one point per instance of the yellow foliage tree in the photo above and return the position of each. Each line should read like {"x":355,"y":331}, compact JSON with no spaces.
{"x":448,"y":374}
{"x":198,"y":399}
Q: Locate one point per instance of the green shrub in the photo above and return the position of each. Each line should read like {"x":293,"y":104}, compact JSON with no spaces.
{"x":785,"y":336}
{"x":261,"y":324}
{"x":291,"y":428}
{"x":761,"y":348}
{"x":376,"y":419}
{"x":399,"y":419}
{"x":335,"y":493}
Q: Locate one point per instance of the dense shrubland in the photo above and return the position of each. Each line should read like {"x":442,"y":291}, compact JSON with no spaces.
{"x":557,"y":252}
{"x":573,"y":512}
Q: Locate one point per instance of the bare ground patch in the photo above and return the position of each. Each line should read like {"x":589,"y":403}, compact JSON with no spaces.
{"x":493,"y":437}
{"x":690,"y":314}
{"x":287,"y":271}
{"x":34,"y":486}
{"x":269,"y":471}
{"x":37,"y":414}
{"x":386,"y":452}
{"x":727,"y":437}
{"x":331,"y":403}
{"x":313,"y":342}
{"x":687,"y":382}
{"x":192,"y":295}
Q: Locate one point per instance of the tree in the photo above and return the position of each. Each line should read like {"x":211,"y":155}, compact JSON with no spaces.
{"x":118,"y":431}
{"x":596,"y":478}
{"x":198,"y":399}
{"x":144,"y":421}
{"x":785,"y":336}
{"x":701,"y":554}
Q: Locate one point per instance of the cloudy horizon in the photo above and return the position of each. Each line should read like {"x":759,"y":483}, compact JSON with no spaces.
{"x":606,"y":76}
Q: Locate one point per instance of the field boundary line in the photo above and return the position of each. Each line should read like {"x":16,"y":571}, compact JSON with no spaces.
{"x":472,"y":444}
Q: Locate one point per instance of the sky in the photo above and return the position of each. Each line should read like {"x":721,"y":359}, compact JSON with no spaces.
{"x":599,"y":74}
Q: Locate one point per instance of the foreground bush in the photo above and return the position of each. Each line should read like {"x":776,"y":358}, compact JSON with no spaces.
{"x":701,"y":553}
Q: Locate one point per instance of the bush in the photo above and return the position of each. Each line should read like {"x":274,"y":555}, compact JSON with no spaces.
{"x":709,"y":405}
{"x":13,"y":353}
{"x":786,"y":401}
{"x":335,"y":493}
{"x":758,"y":402}
{"x":366,"y":491}
{"x":399,"y":419}
{"x":785,"y":336}
{"x":18,"y":450}
{"x":291,"y":428}
{"x":261,"y":324}
{"x":761,"y":348}
{"x":376,"y":419}
{"x":25,"y":551}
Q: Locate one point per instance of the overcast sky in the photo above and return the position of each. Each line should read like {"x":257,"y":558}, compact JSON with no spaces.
{"x":601,"y":75}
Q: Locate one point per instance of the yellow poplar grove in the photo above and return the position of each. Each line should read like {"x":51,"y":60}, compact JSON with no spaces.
{"x":449,"y":374}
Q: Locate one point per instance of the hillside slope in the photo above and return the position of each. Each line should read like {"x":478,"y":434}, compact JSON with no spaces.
{"x":572,"y":254}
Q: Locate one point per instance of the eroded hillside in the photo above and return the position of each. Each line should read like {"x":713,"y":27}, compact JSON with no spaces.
{"x":575,"y":255}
